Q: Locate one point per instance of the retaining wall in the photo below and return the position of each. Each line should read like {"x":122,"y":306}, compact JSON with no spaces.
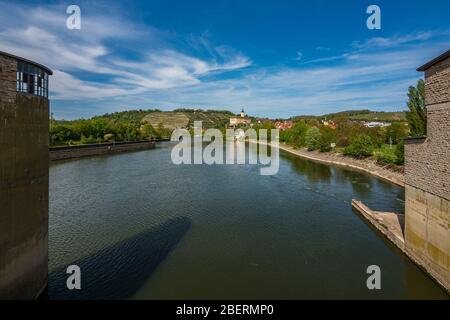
{"x":72,"y":152}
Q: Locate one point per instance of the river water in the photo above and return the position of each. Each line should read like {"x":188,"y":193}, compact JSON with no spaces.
{"x":140,"y":227}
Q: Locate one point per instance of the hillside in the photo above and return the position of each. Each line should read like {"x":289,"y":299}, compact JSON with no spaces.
{"x":359,"y":115}
{"x":169,"y":120}
{"x":380,"y":116}
{"x":184,"y":118}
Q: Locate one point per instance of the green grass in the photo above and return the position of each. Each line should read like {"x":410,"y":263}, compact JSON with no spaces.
{"x":386,"y":154}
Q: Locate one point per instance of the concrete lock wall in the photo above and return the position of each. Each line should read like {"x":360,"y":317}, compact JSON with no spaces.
{"x":427,"y":236}
{"x":72,"y":152}
{"x":24,"y":159}
{"x":427,"y":180}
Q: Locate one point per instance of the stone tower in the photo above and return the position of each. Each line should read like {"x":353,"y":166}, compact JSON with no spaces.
{"x":24,"y":161}
{"x":427,"y":177}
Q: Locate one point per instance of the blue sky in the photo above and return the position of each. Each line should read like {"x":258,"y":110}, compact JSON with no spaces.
{"x":274,"y":58}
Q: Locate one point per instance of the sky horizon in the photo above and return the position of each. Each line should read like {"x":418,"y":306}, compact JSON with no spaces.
{"x":275,"y":59}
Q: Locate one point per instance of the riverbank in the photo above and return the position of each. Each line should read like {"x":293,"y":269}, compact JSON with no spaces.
{"x":88,"y":150}
{"x":367,"y":165}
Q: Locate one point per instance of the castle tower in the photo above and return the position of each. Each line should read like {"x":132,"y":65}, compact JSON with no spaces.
{"x":24,"y":161}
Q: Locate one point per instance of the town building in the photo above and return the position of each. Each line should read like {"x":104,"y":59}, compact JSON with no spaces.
{"x":329,"y":123}
{"x":24,"y":165}
{"x":427,"y":177}
{"x":240,"y":120}
{"x":284,"y":125}
{"x":376,"y":124}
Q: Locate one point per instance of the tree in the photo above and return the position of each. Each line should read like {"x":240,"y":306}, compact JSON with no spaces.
{"x":327,"y":137}
{"x":362,"y":146}
{"x":416,"y":115}
{"x":148,"y":132}
{"x":395,"y":133}
{"x":312,"y":138}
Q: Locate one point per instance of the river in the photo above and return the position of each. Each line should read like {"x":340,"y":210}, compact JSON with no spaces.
{"x":140,"y":227}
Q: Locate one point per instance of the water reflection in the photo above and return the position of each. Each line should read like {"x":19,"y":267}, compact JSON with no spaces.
{"x":118,"y":271}
{"x":313,"y":171}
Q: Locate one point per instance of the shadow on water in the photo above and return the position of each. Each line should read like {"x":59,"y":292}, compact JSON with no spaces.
{"x":117,"y":272}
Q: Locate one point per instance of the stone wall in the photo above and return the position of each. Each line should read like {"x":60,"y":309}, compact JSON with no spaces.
{"x":437,"y":83}
{"x":427,"y":161}
{"x":23,"y":188}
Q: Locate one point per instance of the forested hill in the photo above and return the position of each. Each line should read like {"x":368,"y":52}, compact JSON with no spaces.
{"x":360,"y":115}
{"x":132,"y":125}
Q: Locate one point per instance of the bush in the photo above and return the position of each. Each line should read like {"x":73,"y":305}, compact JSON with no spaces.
{"x":87,"y":140}
{"x":312,"y":138}
{"x":386,"y":155}
{"x":362,"y":146}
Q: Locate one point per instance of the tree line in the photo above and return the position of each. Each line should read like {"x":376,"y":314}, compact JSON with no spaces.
{"x":119,"y":126}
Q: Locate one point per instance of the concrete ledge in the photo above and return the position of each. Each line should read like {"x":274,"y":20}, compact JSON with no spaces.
{"x":391,"y":226}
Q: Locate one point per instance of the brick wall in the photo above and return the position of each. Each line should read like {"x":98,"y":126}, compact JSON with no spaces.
{"x":437,"y":83}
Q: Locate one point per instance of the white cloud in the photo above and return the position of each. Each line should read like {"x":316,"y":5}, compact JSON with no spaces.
{"x":40,"y":34}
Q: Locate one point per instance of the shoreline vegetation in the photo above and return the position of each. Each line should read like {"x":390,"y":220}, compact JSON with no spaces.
{"x":391,"y":173}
